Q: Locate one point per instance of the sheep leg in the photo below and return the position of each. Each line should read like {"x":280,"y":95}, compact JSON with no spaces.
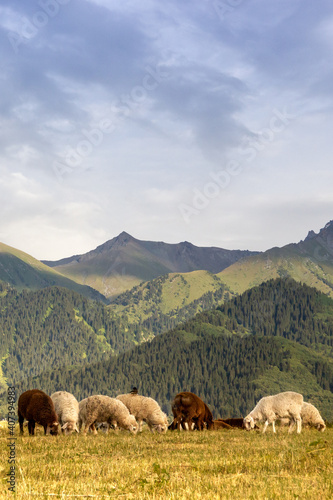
{"x":273,"y":425}
{"x":299,"y":425}
{"x":291,"y":425}
{"x":90,"y":424}
{"x":31,"y":427}
{"x":179,"y":422}
{"x":265,"y":427}
{"x":21,"y":420}
{"x":200,"y":424}
{"x":188,"y":423}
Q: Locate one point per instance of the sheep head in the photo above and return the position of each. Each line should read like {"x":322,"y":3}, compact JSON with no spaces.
{"x":249,"y":423}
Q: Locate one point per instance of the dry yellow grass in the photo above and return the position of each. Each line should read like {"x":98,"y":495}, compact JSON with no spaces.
{"x":178,"y":465}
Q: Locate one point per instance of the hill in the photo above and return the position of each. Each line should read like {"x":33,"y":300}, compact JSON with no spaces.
{"x":56,"y":327}
{"x":164,"y":302}
{"x":124,"y":262}
{"x":22,"y":271}
{"x":276,"y":337}
{"x":309,"y":261}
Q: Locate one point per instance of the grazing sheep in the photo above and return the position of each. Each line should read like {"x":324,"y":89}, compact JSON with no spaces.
{"x":38,"y":408}
{"x":310,"y":417}
{"x":220,"y":424}
{"x":271,"y":408}
{"x":188,"y":408}
{"x":82,"y":419}
{"x":233,"y":423}
{"x":145,"y":410}
{"x":110,"y":410}
{"x":67,"y":410}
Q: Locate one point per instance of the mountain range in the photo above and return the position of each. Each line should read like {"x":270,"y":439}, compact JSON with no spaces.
{"x":310,"y":261}
{"x":55,"y":338}
{"x":124,"y":261}
{"x":124,"y":271}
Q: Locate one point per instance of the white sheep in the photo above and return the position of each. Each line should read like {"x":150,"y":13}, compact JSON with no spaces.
{"x":83,"y":417}
{"x":110,"y":410}
{"x":310,"y":417}
{"x":67,"y":409}
{"x":145,"y":410}
{"x":271,"y":408}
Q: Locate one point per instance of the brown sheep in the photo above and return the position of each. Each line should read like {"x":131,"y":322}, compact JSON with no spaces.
{"x":220,"y":424}
{"x":189,"y":409}
{"x":37,"y":407}
{"x":230,"y":423}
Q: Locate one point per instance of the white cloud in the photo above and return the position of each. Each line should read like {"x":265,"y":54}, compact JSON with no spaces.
{"x":180,"y":91}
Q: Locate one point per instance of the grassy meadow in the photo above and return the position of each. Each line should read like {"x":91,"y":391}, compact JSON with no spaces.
{"x":179,"y":465}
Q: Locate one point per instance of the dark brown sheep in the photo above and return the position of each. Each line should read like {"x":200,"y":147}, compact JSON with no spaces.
{"x":189,"y":409}
{"x":220,"y":424}
{"x":230,"y":423}
{"x":38,"y":408}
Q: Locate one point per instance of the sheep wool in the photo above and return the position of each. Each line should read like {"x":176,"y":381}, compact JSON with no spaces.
{"x":67,"y":409}
{"x":311,"y":417}
{"x":271,"y":408}
{"x":146,"y":410}
{"x":105,"y":409}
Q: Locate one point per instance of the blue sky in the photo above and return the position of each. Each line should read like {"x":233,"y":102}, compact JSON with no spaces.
{"x":206,"y":121}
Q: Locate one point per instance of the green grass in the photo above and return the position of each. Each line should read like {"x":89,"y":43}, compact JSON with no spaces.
{"x":178,"y":465}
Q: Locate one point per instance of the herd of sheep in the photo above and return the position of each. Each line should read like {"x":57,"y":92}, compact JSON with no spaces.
{"x":61,"y":412}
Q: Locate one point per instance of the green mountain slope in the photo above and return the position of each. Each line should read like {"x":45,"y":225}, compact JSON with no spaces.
{"x":310,"y":262}
{"x":22,"y":271}
{"x":276,"y":337}
{"x":124,"y":262}
{"x":170,"y":299}
{"x":56,"y":327}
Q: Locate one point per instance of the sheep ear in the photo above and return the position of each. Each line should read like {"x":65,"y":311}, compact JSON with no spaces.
{"x":55,"y":423}
{"x":65,"y":426}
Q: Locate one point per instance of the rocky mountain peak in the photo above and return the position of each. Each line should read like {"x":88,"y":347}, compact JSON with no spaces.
{"x":311,"y":235}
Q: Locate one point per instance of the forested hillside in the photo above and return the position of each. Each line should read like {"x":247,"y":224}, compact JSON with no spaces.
{"x":273,"y":338}
{"x":55,"y":327}
{"x":284,"y":308}
{"x":159,"y":305}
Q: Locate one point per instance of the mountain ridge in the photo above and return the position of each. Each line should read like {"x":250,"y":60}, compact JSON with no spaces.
{"x":309,"y":261}
{"x":23,"y":271}
{"x":124,"y":262}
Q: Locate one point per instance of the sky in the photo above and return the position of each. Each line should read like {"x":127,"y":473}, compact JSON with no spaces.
{"x":207,"y":121}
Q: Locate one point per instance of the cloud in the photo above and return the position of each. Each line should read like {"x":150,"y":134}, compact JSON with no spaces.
{"x":113,"y":114}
